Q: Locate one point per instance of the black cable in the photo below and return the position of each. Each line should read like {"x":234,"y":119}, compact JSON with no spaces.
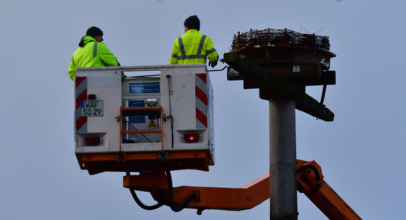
{"x":172,"y":128}
{"x":170,"y":107}
{"x":170,"y":195}
{"x":307,"y":167}
{"x":138,"y":201}
{"x":142,"y":205}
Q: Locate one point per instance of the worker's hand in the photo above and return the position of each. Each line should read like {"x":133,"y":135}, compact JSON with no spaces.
{"x":123,"y":76}
{"x":212,"y":64}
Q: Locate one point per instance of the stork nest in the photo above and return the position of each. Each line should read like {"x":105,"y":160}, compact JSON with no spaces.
{"x":278,"y":37}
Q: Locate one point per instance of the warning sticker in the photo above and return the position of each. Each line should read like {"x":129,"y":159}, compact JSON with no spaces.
{"x":152,"y":124}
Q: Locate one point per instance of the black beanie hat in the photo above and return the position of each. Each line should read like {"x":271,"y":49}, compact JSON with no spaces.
{"x":94,"y":31}
{"x":192,"y":22}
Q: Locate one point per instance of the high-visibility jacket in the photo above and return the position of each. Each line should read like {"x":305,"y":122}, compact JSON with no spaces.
{"x":92,"y":54}
{"x":193,"y":48}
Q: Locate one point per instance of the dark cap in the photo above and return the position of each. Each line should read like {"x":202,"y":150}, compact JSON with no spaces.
{"x":192,"y":22}
{"x":94,"y":31}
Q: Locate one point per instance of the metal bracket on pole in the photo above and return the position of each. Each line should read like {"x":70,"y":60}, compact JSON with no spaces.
{"x":323,"y":94}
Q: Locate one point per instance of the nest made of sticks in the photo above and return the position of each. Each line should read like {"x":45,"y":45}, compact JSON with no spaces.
{"x":278,"y":37}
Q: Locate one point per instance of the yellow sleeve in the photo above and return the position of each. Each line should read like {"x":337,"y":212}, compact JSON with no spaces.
{"x":106,"y":55}
{"x":174,"y":56}
{"x":72,"y":69}
{"x":211,"y":51}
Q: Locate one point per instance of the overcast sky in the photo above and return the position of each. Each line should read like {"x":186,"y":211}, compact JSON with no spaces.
{"x":361,"y":152}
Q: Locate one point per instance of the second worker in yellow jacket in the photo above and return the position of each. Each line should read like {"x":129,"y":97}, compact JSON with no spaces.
{"x":193,"y":47}
{"x":92,"y":52}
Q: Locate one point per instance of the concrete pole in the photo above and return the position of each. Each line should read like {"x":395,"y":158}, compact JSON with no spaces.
{"x":282,"y":159}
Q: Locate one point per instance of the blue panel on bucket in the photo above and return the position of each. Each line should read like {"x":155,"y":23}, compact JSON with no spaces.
{"x":136,"y":119}
{"x":150,"y":87}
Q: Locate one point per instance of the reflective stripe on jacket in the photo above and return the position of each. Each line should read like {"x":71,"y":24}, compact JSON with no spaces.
{"x":92,"y":54}
{"x":193,"y":48}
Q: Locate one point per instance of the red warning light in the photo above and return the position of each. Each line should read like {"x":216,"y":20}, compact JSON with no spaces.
{"x":92,"y":140}
{"x":191,"y":137}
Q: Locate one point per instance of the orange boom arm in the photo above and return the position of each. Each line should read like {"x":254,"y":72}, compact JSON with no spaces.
{"x":309,"y":181}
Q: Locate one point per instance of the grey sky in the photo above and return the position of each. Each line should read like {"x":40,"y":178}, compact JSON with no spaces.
{"x":361,"y":152}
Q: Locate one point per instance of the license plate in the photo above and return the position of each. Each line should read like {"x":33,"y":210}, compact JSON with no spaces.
{"x":92,"y":108}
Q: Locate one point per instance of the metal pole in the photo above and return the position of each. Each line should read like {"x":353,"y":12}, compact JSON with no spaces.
{"x":282,"y":159}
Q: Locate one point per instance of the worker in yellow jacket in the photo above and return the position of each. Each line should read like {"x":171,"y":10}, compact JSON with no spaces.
{"x":193,"y":47}
{"x":92,"y":52}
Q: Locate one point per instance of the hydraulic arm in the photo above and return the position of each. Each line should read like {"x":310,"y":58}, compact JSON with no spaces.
{"x":310,"y":181}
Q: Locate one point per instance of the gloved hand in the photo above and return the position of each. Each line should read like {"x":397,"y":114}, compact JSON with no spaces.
{"x":213,"y":64}
{"x":123,"y":75}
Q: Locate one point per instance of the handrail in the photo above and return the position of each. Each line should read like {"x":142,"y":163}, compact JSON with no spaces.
{"x":139,"y":68}
{"x":141,"y":108}
{"x":141,"y":131}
